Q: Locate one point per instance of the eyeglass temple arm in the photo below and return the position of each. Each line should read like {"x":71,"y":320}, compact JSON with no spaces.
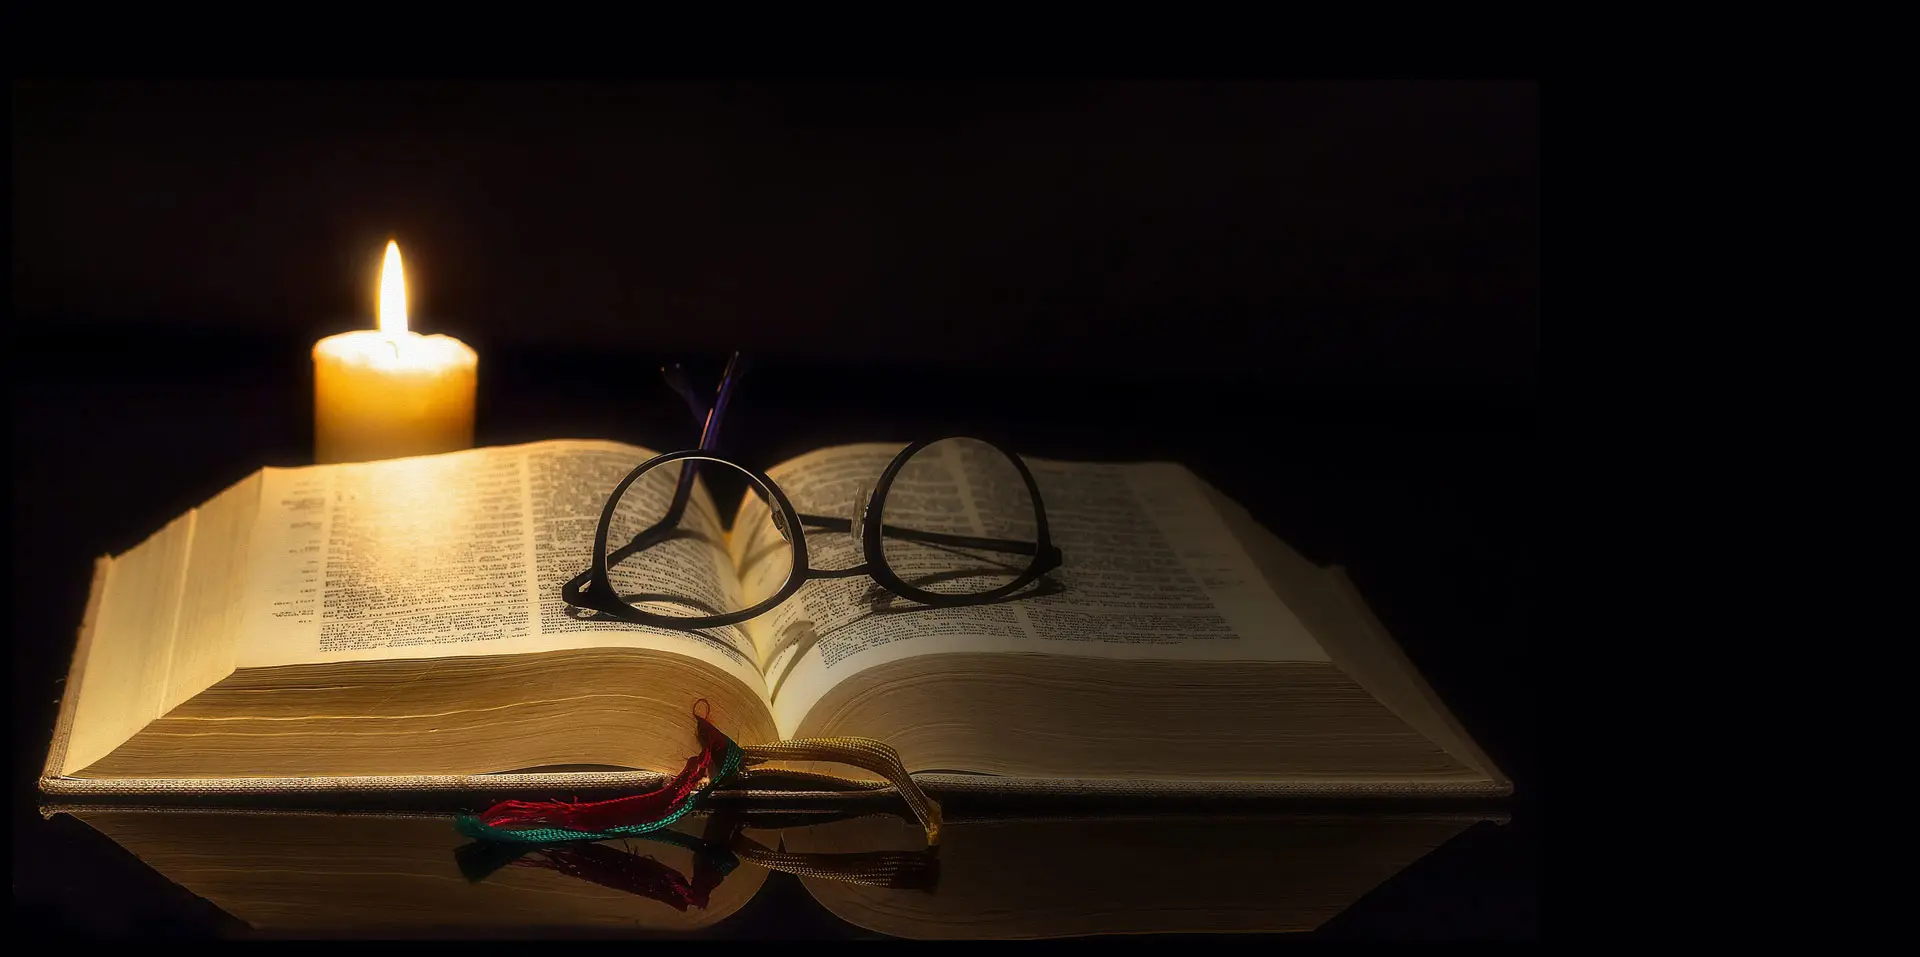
{"x":710,"y":418}
{"x":1009,"y":546}
{"x":574,"y":590}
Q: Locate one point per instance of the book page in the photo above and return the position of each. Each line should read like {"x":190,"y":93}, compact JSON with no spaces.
{"x":1151,"y":571}
{"x":132,"y":643}
{"x":456,"y":555}
{"x":212,"y":593}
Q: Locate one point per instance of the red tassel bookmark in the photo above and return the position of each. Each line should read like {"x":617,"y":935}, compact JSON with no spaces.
{"x":552,"y":822}
{"x":546,"y":822}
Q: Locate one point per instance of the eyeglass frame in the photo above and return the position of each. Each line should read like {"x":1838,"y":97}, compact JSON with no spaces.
{"x":1047,"y":557}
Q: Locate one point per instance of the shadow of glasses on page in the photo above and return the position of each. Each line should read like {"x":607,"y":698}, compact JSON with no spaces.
{"x":578,"y":613}
{"x":648,"y":539}
{"x":880,"y":601}
{"x":802,"y":636}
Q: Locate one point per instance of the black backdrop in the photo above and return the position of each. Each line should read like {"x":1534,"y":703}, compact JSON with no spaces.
{"x":1354,"y":230}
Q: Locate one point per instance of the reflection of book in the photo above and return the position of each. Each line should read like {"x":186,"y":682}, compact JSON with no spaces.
{"x":374,"y":873}
{"x":398,"y":626}
{"x":1144,"y":874}
{"x":354,"y":874}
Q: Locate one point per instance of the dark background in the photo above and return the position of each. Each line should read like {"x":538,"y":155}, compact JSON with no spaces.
{"x":1323,"y":296}
{"x":1367,"y":230}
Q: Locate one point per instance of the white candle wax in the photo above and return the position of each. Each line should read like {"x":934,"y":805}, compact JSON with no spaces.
{"x":391,"y":393}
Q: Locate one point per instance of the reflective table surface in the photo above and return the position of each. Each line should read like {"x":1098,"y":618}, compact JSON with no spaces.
{"x":856,"y":873}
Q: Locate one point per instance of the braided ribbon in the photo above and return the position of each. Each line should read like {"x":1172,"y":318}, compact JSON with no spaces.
{"x":551,"y":822}
{"x":864,"y":753}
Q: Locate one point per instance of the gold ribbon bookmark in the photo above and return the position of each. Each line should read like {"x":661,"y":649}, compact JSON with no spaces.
{"x":864,"y":753}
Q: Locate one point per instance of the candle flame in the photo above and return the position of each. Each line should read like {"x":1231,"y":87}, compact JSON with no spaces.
{"x":393,"y":293}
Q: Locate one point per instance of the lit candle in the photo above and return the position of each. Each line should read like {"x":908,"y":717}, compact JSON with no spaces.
{"x":391,"y":393}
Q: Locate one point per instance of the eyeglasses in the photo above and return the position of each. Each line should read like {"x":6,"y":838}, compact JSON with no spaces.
{"x":946,"y":522}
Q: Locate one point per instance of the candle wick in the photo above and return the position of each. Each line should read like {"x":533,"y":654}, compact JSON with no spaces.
{"x":395,"y":343}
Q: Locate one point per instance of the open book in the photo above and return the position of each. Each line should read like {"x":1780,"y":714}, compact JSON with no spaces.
{"x":400,"y":625}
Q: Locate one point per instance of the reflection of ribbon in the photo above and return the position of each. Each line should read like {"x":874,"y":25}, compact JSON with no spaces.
{"x":548,"y":822}
{"x":610,"y":867}
{"x":715,"y":856}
